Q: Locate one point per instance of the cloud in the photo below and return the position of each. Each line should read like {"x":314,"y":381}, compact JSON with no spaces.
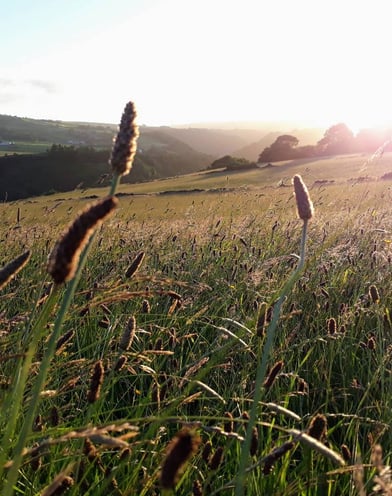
{"x":46,"y":86}
{"x":27,"y":85}
{"x":5,"y":83}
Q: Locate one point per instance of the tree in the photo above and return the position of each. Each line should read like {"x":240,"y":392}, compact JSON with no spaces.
{"x":283,"y":148}
{"x":231,"y":163}
{"x":337,"y":139}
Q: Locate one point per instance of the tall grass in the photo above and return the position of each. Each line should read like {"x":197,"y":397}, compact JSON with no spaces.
{"x":154,"y":381}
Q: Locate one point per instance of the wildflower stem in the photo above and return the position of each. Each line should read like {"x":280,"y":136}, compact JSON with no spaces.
{"x":265,"y":352}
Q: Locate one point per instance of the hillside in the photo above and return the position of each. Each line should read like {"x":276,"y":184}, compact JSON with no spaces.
{"x":33,"y":130}
{"x":162,"y":152}
{"x":216,"y":142}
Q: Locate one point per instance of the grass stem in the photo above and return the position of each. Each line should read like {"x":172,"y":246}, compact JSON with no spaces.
{"x":265,"y":352}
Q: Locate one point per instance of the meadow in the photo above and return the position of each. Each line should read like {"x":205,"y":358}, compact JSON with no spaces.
{"x":23,"y":147}
{"x":160,"y":347}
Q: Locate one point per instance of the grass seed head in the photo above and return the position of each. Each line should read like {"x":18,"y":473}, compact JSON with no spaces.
{"x":275,"y":455}
{"x":96,"y":382}
{"x":197,"y":489}
{"x":318,"y":427}
{"x":135,"y":265}
{"x":374,"y":294}
{"x":346,"y":453}
{"x":228,"y":426}
{"x":63,"y":340}
{"x":304,"y":203}
{"x":11,"y":269}
{"x":64,"y":259}
{"x":60,"y":485}
{"x":180,"y":449}
{"x":331,"y":326}
{"x":128,"y":334}
{"x":254,"y":442}
{"x":216,"y":459}
{"x":119,"y":365}
{"x":206,"y":453}
{"x":54,"y":417}
{"x":146,"y":307}
{"x":270,"y":379}
{"x":125,"y":143}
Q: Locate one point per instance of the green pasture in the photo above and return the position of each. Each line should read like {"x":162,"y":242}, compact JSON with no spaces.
{"x":20,"y":147}
{"x":219,"y":249}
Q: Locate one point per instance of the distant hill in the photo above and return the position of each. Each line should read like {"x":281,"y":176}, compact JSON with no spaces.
{"x":82,"y":156}
{"x":216,"y":142}
{"x":34,"y":130}
{"x":253,"y":150}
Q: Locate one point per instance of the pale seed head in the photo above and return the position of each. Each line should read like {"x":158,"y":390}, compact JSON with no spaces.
{"x":304,"y":203}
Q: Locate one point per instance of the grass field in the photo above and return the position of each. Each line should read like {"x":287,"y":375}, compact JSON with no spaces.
{"x":21,"y":147}
{"x":178,"y":342}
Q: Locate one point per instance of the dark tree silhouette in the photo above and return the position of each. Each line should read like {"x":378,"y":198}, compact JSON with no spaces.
{"x":283,"y":148}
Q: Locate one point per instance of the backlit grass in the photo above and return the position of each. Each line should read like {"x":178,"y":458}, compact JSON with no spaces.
{"x":213,"y":268}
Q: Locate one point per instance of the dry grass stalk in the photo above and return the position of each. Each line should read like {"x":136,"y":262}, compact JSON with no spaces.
{"x":192,"y":370}
{"x":64,"y":259}
{"x":384,"y":478}
{"x":11,"y":269}
{"x":98,"y":435}
{"x":316,"y":445}
{"x":125,"y":144}
{"x":180,"y":449}
{"x":96,"y":382}
{"x":305,"y":208}
{"x":128,"y":334}
{"x":135,"y":265}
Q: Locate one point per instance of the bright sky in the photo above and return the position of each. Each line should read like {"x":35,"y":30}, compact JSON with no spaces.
{"x":181,"y":61}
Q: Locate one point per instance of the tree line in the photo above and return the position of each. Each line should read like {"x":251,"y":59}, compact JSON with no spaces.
{"x":337,"y":139}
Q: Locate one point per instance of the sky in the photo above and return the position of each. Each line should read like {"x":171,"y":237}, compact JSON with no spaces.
{"x":317,"y":62}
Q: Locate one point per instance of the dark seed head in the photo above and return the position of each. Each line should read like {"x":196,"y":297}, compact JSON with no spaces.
{"x":10,"y":270}
{"x":96,"y":382}
{"x":125,"y":144}
{"x":64,"y":259}
{"x":318,"y":427}
{"x":180,"y":449}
